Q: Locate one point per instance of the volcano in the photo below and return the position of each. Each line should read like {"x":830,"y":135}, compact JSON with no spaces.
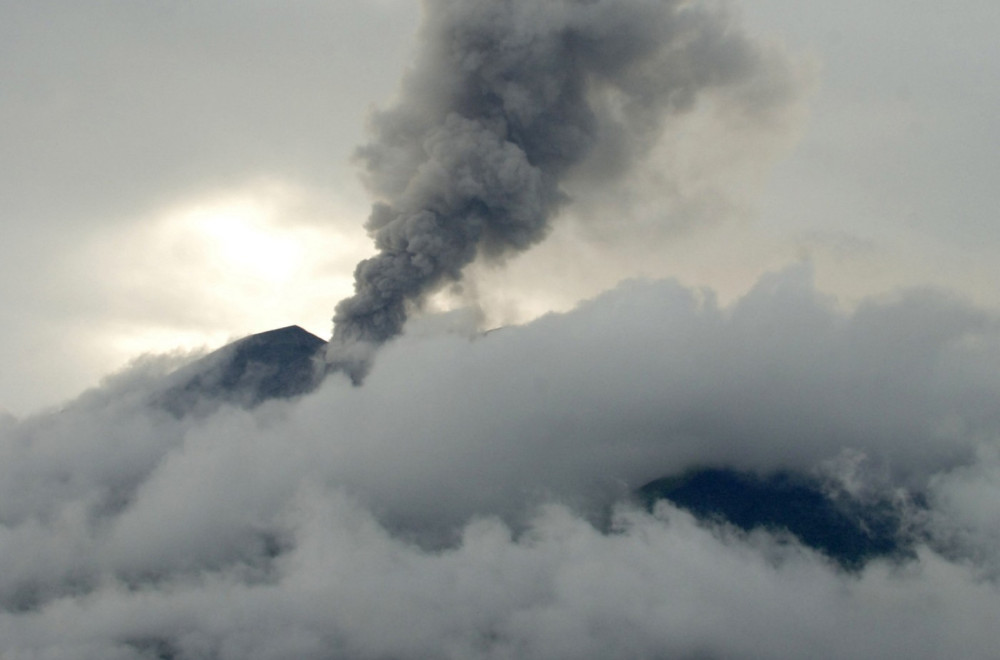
{"x":278,"y":364}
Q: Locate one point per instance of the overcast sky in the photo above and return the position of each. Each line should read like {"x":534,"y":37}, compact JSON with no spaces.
{"x":176,"y":174}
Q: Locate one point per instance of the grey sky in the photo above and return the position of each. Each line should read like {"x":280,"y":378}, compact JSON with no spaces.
{"x":114,"y":114}
{"x":900,"y":149}
{"x":119,"y":118}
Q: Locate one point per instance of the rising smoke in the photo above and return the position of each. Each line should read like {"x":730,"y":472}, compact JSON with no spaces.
{"x":505,"y":99}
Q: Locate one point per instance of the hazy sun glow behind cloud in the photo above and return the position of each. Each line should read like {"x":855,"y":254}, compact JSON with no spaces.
{"x":246,"y":245}
{"x":233,"y":262}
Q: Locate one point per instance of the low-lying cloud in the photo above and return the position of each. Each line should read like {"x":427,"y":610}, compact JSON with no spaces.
{"x":471,"y":500}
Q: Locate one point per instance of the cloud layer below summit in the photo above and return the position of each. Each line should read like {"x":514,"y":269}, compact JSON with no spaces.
{"x":471,"y":499}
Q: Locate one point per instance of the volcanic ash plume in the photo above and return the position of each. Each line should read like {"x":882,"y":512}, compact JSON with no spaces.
{"x":505,"y":98}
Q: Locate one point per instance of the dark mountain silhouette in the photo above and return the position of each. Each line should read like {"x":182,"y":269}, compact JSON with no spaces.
{"x":278,"y":364}
{"x":847,"y":530}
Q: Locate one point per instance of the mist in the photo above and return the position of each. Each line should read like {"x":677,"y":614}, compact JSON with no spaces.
{"x":472,"y":499}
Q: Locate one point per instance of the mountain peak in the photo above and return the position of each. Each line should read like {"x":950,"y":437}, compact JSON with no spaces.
{"x":276,"y":364}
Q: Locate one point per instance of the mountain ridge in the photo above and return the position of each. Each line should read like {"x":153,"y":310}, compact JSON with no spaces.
{"x":276,"y":364}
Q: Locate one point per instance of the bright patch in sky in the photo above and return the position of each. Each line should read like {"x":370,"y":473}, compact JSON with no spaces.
{"x":231,"y":262}
{"x":240,"y":234}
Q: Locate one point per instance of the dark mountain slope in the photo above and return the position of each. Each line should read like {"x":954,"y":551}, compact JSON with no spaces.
{"x":849,"y":531}
{"x":278,"y":364}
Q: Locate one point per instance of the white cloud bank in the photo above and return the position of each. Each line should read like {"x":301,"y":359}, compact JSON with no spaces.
{"x":454,"y":505}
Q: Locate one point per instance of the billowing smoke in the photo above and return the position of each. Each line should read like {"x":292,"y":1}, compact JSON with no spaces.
{"x":505,"y":98}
